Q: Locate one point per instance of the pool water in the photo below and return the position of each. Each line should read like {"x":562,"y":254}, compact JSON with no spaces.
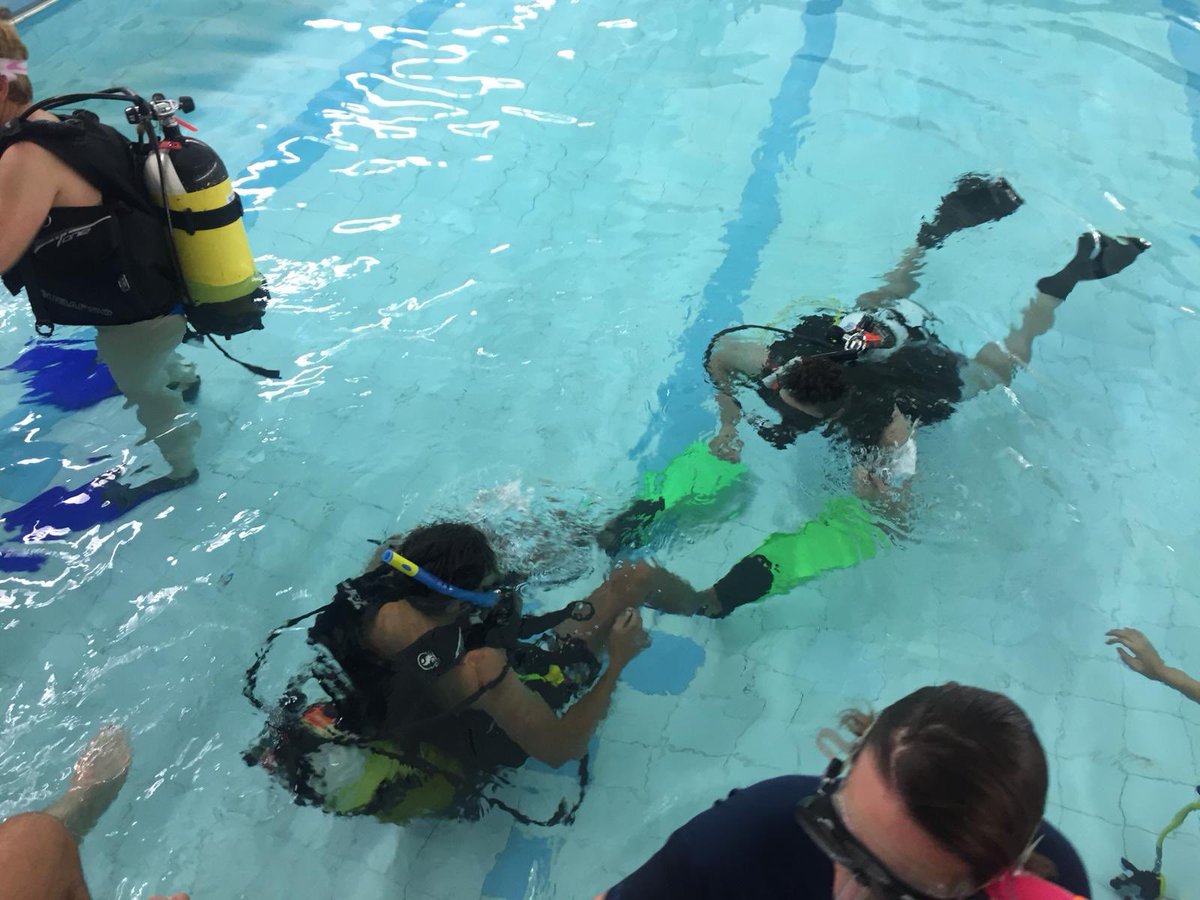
{"x":499,"y":239}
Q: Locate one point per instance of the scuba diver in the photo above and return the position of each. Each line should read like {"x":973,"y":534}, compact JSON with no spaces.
{"x":434,"y":682}
{"x":865,"y":380}
{"x":130,"y":237}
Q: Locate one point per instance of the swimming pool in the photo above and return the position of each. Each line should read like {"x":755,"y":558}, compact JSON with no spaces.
{"x":499,"y":238}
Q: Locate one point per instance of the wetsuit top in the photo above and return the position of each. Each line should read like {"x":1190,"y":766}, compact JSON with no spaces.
{"x":918,"y":374}
{"x":109,"y":264}
{"x":750,"y":846}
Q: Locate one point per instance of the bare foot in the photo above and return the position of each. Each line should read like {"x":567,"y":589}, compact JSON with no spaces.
{"x":99,"y":776}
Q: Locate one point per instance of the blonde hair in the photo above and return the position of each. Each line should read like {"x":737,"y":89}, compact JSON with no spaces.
{"x":12,"y":47}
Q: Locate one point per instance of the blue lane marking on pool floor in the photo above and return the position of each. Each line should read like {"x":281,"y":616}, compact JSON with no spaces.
{"x":1184,"y":41}
{"x":524,"y":857}
{"x":311,"y":126}
{"x":682,"y":417}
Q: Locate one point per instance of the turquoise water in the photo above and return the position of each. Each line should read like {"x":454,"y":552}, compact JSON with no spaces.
{"x":499,"y":238}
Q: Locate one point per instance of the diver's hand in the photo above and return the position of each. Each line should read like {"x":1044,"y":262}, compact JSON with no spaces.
{"x":172,"y":897}
{"x":627,"y":639}
{"x":726,"y":445}
{"x":1142,"y":658}
{"x":867,"y":485}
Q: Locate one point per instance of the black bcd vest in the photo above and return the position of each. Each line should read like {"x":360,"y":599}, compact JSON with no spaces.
{"x":110,"y":264}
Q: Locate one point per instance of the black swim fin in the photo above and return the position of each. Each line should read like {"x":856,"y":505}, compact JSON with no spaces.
{"x":124,"y":497}
{"x":976,"y":199}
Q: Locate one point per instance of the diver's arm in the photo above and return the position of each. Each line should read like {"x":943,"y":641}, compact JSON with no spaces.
{"x":1182,"y":682}
{"x":890,"y":465}
{"x":733,"y":359}
{"x":27,"y":192}
{"x":1139,"y":654}
{"x":530,"y":722}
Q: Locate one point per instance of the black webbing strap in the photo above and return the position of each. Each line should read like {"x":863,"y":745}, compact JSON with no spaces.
{"x":192,"y":220}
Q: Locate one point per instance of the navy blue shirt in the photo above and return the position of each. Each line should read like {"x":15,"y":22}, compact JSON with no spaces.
{"x":749,"y":846}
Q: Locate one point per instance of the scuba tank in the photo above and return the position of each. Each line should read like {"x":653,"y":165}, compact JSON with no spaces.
{"x":185,"y":177}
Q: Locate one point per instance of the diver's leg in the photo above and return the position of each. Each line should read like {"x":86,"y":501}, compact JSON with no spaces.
{"x":39,"y":854}
{"x":843,"y":534}
{"x":898,"y":284}
{"x":39,"y":859}
{"x":974,"y":200}
{"x":138,"y":356}
{"x":631,"y":586}
{"x":182,"y":377}
{"x":1096,"y":256}
{"x":96,"y":780}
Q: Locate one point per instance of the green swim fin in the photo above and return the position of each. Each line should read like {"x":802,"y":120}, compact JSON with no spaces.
{"x":842,"y":535}
{"x":694,"y":476}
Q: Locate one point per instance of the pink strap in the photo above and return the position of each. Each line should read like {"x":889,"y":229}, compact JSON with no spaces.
{"x":1023,"y":886}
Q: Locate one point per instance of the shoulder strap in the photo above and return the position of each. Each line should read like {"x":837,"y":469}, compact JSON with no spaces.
{"x":114,"y":185}
{"x":68,"y":141}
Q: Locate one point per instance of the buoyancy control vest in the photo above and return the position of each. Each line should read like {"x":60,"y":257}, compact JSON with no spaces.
{"x":391,"y":700}
{"x":168,"y":231}
{"x":94,"y":265}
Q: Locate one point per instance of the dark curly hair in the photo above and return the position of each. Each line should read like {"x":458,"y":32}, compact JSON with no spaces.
{"x":815,"y":381}
{"x":453,"y":551}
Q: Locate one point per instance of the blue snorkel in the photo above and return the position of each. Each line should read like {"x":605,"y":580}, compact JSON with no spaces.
{"x":485,"y":599}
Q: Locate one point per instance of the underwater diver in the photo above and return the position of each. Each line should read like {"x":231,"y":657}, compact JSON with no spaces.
{"x":90,"y":244}
{"x":940,"y":797}
{"x":865,"y":380}
{"x":435,"y":682}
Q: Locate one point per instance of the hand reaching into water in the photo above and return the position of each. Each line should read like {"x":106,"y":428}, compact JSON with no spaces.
{"x":1142,"y":657}
{"x":726,"y":445}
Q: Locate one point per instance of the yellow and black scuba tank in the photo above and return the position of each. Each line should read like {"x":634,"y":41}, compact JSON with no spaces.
{"x":225,"y":291}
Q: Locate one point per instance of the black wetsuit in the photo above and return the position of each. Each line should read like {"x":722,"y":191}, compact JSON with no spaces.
{"x":921,"y":376}
{"x":749,"y":846}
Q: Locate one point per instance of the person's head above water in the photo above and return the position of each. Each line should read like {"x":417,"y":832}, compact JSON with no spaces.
{"x":817,"y":382}
{"x":946,"y":789}
{"x":455,"y":552}
{"x":15,"y":90}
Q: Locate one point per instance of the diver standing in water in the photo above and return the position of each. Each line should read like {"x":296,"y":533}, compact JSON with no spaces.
{"x":865,"y":380}
{"x":88,"y":236}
